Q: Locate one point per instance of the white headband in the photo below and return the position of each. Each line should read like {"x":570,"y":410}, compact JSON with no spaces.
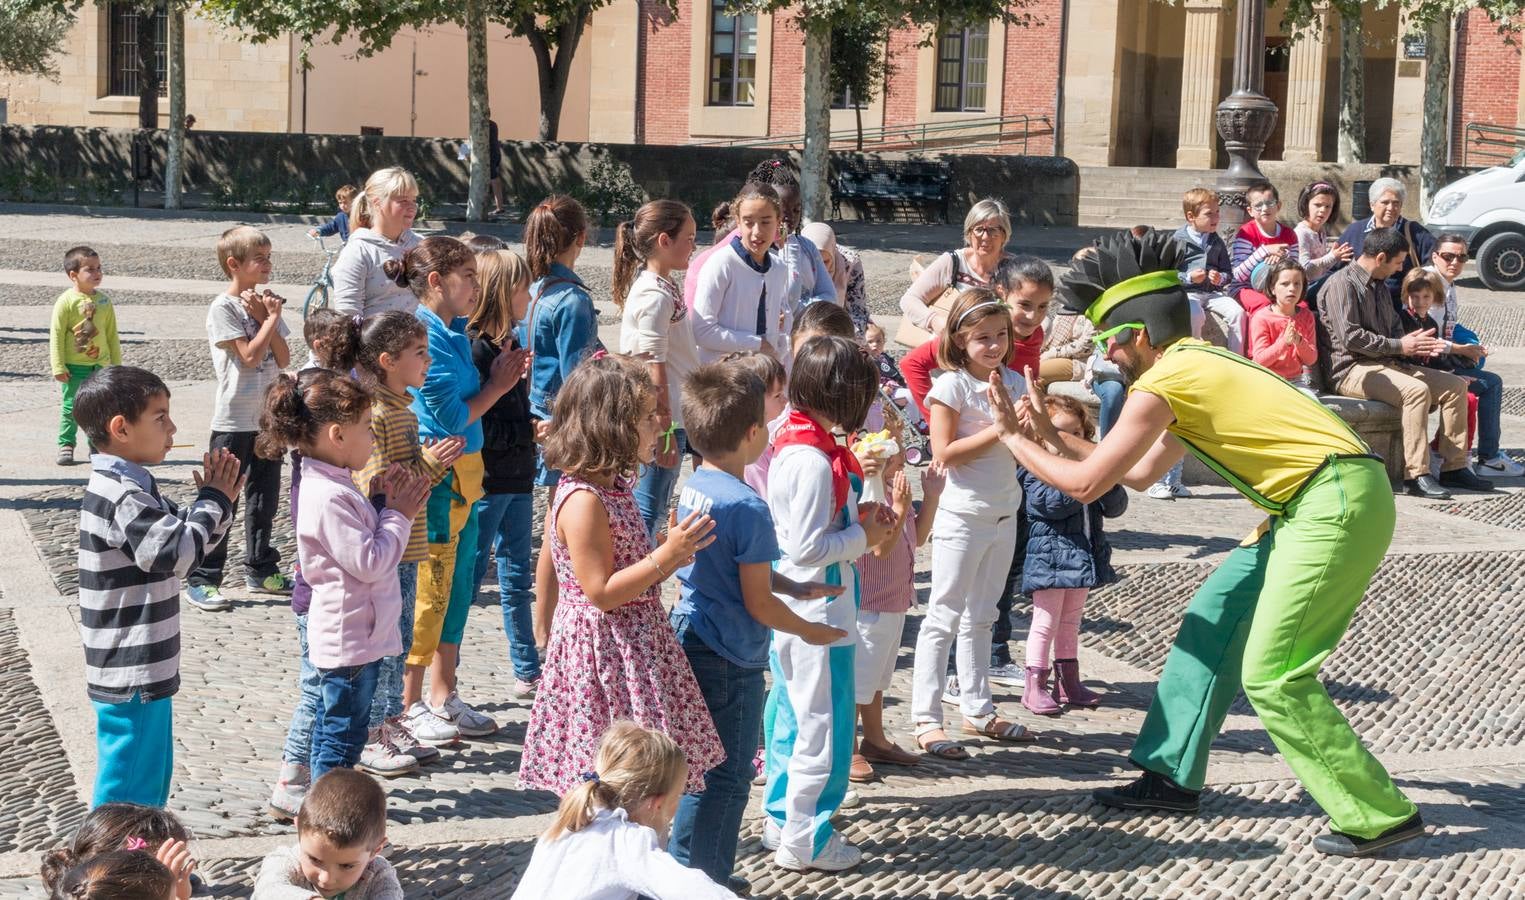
{"x":960,"y":323}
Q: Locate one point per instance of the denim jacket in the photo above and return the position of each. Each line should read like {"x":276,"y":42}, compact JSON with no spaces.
{"x":560,"y":329}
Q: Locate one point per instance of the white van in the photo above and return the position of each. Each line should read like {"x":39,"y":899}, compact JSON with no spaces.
{"x":1488,"y":209}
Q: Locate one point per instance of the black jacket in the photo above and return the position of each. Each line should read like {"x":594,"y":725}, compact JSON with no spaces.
{"x":508,"y":434}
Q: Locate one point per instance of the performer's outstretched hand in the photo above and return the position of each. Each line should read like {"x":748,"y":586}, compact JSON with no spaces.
{"x":1007,"y":421}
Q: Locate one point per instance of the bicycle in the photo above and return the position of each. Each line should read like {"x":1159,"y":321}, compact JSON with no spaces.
{"x":317,"y":295}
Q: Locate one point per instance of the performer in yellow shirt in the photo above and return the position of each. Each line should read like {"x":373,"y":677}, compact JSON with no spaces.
{"x":1276,"y":608}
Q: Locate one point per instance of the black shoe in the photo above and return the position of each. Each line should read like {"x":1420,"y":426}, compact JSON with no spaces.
{"x":1466,"y":479}
{"x":1427,"y":487}
{"x":1149,"y":791}
{"x":199,"y":888}
{"x":1337,"y":843}
{"x":739,"y":886}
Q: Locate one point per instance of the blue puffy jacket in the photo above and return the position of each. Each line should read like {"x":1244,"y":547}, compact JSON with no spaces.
{"x":1066,"y":546}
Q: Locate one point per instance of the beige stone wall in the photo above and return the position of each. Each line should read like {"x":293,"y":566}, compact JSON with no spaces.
{"x":1090,"y":81}
{"x":229,"y":84}
{"x":610,"y":44}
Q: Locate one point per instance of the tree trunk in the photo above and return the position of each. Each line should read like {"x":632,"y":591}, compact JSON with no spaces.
{"x":814,"y":190}
{"x":554,"y":72}
{"x":858,"y":114}
{"x":175,"y":153}
{"x":476,"y":95}
{"x":1352,"y":139}
{"x":148,"y":67}
{"x":1434,"y":141}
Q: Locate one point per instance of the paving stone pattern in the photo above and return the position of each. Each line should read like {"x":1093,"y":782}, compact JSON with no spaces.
{"x":1504,"y":512}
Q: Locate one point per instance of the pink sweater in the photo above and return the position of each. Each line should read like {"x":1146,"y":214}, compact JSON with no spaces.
{"x":349,"y":556}
{"x":1268,"y":349}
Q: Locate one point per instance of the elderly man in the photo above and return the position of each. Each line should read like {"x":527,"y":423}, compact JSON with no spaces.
{"x":1387,"y":196}
{"x":1371,"y":358}
{"x":1449,"y":258}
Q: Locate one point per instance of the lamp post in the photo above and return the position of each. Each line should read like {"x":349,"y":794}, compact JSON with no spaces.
{"x":1247,"y":116}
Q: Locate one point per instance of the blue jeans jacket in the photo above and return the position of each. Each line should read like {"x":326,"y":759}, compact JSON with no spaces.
{"x":560,"y":329}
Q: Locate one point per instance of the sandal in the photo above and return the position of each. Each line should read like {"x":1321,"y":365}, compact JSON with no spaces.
{"x":860,"y":771}
{"x":889,"y":755}
{"x":940,"y":748}
{"x":997,"y":728}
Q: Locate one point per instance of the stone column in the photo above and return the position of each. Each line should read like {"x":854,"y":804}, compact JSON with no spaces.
{"x":1307,"y":84}
{"x":1200,"y":92}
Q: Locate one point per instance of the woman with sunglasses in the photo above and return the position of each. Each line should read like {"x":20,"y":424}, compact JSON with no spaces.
{"x":1279,"y":604}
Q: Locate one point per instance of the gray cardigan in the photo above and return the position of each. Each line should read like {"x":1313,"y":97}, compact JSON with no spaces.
{"x":280,"y":878}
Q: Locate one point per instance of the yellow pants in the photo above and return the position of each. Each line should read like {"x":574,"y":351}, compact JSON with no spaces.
{"x":438,"y":614}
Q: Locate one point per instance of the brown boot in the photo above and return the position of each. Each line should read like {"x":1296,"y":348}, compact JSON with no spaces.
{"x":1068,"y":688}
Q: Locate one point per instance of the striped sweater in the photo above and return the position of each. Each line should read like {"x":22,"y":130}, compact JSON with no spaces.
{"x":1251,"y":246}
{"x":394,"y":440}
{"x":134,"y":547}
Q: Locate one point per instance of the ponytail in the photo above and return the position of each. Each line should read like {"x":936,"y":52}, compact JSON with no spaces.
{"x":340,"y":335}
{"x":720,"y":219}
{"x":296,"y":407}
{"x":390,"y":332}
{"x":434,"y":255}
{"x":635,"y":241}
{"x":633,"y":764}
{"x":553,"y":225}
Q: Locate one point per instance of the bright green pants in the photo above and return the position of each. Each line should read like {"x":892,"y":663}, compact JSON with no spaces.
{"x":68,"y":431}
{"x":1267,"y":619}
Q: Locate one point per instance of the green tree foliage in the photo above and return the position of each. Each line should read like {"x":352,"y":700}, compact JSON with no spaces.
{"x":30,"y":38}
{"x":860,"y":63}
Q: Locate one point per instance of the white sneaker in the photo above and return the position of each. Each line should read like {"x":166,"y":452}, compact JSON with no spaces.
{"x":837,"y":856}
{"x":772,"y":835}
{"x":1011,"y":674}
{"x":396,"y":731}
{"x":1180,"y":490}
{"x":851,"y":800}
{"x":950,"y":692}
{"x":427,"y":727}
{"x":1500,"y":466}
{"x":1160,"y":491}
{"x":467,"y":721}
{"x":381,"y":757}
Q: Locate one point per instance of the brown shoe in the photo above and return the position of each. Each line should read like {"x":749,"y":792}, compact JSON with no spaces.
{"x":889,"y":756}
{"x":860,"y":771}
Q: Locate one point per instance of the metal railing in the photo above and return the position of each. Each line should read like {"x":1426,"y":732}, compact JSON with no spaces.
{"x":954,"y":135}
{"x":1490,"y":145}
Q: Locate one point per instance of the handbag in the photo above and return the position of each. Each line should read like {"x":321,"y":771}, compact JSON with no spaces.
{"x":909,"y":334}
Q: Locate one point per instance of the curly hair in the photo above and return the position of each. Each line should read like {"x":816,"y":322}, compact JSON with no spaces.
{"x":297,"y":406}
{"x":596,"y":418}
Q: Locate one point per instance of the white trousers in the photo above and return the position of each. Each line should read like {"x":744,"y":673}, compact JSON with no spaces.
{"x":808,"y":723}
{"x":971,"y":555}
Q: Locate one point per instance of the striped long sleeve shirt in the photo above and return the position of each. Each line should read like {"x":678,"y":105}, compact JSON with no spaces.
{"x":394,"y":439}
{"x":134,"y":547}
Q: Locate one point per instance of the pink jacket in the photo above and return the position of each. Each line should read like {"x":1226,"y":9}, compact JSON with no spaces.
{"x":349,"y":556}
{"x":691,"y":277}
{"x":1268,"y":349}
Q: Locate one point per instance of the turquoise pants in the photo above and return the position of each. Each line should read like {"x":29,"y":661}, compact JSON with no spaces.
{"x":1266,"y":620}
{"x":134,"y":751}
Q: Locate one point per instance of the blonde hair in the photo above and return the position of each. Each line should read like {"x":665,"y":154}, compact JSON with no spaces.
{"x":633,"y":764}
{"x":383,"y":185}
{"x":345,"y":194}
{"x":500,"y":273}
{"x":1196,"y":198}
{"x":970,"y":309}
{"x":239,"y":242}
{"x":984,"y":211}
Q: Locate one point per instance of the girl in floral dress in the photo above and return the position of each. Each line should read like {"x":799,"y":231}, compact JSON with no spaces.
{"x":612,"y":654}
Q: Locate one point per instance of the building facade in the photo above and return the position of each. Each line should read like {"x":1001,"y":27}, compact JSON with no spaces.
{"x":1125,"y":83}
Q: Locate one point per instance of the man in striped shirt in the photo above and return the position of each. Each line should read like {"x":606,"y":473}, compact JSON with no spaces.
{"x":134,"y":547}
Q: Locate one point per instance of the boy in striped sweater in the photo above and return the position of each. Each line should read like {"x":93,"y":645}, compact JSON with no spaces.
{"x":134,"y":547}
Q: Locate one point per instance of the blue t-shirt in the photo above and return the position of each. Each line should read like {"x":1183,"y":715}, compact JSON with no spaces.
{"x":710,"y":588}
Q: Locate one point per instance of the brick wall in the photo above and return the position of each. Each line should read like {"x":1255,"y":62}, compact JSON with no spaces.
{"x":900,"y":93}
{"x":786,"y":98}
{"x":663,"y":91}
{"x":1032,"y":70}
{"x":1486,"y":73}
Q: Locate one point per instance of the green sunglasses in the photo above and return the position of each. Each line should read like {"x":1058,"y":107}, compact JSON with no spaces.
{"x":1117,"y":332}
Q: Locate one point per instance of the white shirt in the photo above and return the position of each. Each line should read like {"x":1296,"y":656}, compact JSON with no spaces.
{"x":612,"y":859}
{"x":725,"y":305}
{"x":240,"y":389}
{"x":987,"y":483}
{"x":812,"y":534}
{"x":656,"y":324}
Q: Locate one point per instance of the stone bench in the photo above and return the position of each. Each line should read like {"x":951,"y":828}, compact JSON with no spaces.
{"x":1377,"y":423}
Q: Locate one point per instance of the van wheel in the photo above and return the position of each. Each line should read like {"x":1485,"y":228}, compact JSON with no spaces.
{"x":1501,"y":262}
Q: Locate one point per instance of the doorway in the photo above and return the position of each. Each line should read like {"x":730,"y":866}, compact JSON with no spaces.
{"x":1278,"y":61}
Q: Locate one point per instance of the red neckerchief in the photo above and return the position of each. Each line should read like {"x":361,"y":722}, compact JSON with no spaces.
{"x":803,"y":430}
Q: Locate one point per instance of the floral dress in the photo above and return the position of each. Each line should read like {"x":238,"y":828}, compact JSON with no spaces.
{"x":604,"y":666}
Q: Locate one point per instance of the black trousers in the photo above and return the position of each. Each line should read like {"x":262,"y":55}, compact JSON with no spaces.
{"x":262,"y":494}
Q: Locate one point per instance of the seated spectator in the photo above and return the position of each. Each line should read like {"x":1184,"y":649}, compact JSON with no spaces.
{"x":1449,"y":258}
{"x":1387,"y":196}
{"x":1372,"y":358}
{"x":1209,"y":270}
{"x":1026,"y":284}
{"x":1318,"y":205}
{"x":1069,"y":354}
{"x":1262,"y":238}
{"x":987,"y":228}
{"x":1282,"y":335}
{"x":846,"y":273}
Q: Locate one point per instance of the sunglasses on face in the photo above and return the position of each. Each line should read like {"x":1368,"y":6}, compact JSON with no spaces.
{"x":1123,"y":333}
{"x":1453,"y":258}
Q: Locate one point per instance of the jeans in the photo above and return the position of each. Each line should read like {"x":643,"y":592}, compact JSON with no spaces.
{"x":653,"y":493}
{"x":309,"y":704}
{"x":706,"y":826}
{"x":1489,"y":388}
{"x":1112,"y":394}
{"x":387,"y":701}
{"x":262,"y":493}
{"x":504,"y":522}
{"x":339,"y":734}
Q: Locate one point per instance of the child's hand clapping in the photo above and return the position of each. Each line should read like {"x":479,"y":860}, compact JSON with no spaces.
{"x":933,"y":479}
{"x":685,"y":538}
{"x":446,"y":450}
{"x":220,"y":471}
{"x":508,"y":367}
{"x":877,"y":520}
{"x":405,"y":490}
{"x":176,"y":856}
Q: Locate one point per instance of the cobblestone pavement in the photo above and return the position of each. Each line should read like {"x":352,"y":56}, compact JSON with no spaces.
{"x":1431,"y":675}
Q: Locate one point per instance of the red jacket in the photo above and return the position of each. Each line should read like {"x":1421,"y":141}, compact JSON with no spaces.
{"x":918,"y":365}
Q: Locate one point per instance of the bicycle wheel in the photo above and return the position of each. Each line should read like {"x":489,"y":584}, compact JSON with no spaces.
{"x":317,"y":298}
